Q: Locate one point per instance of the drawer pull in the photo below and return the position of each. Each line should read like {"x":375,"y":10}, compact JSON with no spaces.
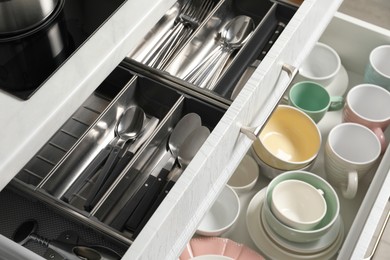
{"x":378,"y":239}
{"x":253,"y":132}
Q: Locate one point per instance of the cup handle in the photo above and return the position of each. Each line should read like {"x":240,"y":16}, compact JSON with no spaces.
{"x":349,"y":192}
{"x":336,"y":103}
{"x":381,"y":136}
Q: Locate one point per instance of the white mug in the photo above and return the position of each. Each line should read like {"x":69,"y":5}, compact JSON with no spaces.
{"x":321,"y":65}
{"x":351,"y":151}
{"x":378,"y":68}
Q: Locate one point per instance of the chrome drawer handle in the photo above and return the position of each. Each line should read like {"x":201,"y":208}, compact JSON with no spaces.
{"x":253,"y":132}
{"x":378,"y":239}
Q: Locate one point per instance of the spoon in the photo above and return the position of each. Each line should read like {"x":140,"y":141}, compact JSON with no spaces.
{"x":67,"y":249}
{"x":128,"y":127}
{"x":145,"y":196}
{"x":234,"y":34}
{"x":187,"y":151}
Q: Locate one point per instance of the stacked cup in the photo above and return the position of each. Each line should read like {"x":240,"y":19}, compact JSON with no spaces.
{"x":301,"y":208}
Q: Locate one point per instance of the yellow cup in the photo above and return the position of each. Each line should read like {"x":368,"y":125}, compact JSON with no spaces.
{"x":290,"y":139}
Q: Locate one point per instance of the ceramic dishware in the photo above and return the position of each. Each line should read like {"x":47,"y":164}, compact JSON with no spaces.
{"x":369,"y":105}
{"x":321,"y":65}
{"x":222,"y":214}
{"x":313,"y":99}
{"x":245,"y":176}
{"x":326,"y":223}
{"x":290,"y":139}
{"x":298,"y":204}
{"x":271,"y":172}
{"x":351,"y":151}
{"x":378,"y":68}
{"x":218,"y":246}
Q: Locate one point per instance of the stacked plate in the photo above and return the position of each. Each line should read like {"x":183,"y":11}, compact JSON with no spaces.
{"x":274,"y":246}
{"x":217,"y":248}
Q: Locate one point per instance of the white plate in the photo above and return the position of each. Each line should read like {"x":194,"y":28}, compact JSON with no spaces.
{"x":272,"y":250}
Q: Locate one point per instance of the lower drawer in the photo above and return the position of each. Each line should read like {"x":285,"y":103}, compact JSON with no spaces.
{"x":360,"y":216}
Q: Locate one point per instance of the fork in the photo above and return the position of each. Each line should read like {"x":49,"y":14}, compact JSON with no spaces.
{"x":187,"y":21}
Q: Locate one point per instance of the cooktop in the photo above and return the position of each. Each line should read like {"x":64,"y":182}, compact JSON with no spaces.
{"x":27,"y":60}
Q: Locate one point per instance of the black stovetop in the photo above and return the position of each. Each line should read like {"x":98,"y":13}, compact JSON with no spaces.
{"x":28,"y":60}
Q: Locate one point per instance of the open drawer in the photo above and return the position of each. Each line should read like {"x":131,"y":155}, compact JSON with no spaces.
{"x":174,"y":222}
{"x":360,"y":215}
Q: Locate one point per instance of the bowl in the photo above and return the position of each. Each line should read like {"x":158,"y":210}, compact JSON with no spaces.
{"x":245,"y":176}
{"x":322,"y":228}
{"x":290,"y":140}
{"x":271,"y":172}
{"x":298,"y":204}
{"x":222,"y":214}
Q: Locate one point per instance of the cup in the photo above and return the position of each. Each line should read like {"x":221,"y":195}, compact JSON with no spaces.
{"x":298,"y":204}
{"x":313,"y":99}
{"x":290,"y":139}
{"x":369,"y":105}
{"x":351,"y":151}
{"x":378,"y":68}
{"x":297,"y":235}
{"x":321,"y":65}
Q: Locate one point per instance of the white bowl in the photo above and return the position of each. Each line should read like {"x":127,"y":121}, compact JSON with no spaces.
{"x":245,"y":176}
{"x":298,"y":204}
{"x":222,"y":214}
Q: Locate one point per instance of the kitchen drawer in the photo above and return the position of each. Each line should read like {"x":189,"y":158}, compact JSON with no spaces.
{"x":175,"y":221}
{"x":361,"y":215}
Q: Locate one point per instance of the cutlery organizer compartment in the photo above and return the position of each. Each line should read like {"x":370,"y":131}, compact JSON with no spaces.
{"x":269,"y":19}
{"x":163,"y":106}
{"x":51,"y":224}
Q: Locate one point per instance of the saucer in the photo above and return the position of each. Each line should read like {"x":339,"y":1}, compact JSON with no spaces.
{"x":218,"y":246}
{"x":304,"y":248}
{"x":337,"y":87}
{"x":271,"y":249}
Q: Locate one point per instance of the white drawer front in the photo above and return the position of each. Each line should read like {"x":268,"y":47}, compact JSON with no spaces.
{"x":176,"y":219}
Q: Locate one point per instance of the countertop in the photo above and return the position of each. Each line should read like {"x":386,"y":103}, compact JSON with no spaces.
{"x":27,"y":125}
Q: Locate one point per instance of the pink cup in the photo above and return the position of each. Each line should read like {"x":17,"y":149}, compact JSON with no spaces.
{"x":369,"y":105}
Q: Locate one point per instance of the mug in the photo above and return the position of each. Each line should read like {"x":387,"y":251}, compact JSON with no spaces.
{"x":321,"y":65}
{"x":351,"y":151}
{"x":290,"y":139}
{"x":369,"y":105}
{"x":378,"y":68}
{"x":313,"y":99}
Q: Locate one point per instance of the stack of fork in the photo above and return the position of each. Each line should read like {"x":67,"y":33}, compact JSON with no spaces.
{"x":191,"y":14}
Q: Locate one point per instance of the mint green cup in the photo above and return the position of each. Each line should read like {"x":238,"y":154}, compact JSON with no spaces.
{"x":313,"y":99}
{"x":377,"y":71}
{"x":325,"y":225}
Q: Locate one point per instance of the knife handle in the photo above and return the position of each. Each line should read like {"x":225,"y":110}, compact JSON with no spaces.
{"x":147,"y":200}
{"x":168,"y":186}
{"x":118,"y":168}
{"x":103,"y":175}
{"x":87,"y":174}
{"x":119,"y":221}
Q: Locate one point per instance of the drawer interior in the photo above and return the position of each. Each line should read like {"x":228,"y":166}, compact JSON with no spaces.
{"x":269,"y":20}
{"x":57,"y":176}
{"x":342,"y":35}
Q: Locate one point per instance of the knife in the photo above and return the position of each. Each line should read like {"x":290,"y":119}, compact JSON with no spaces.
{"x":124,"y":160}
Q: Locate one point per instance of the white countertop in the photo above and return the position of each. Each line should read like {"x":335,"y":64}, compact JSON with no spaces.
{"x":27,"y":125}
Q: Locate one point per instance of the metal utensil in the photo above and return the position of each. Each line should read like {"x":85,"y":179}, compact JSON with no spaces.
{"x":127,"y":128}
{"x":66,"y":247}
{"x":186,"y":153}
{"x":234,"y":34}
{"x":156,"y":178}
{"x":126,"y":158}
